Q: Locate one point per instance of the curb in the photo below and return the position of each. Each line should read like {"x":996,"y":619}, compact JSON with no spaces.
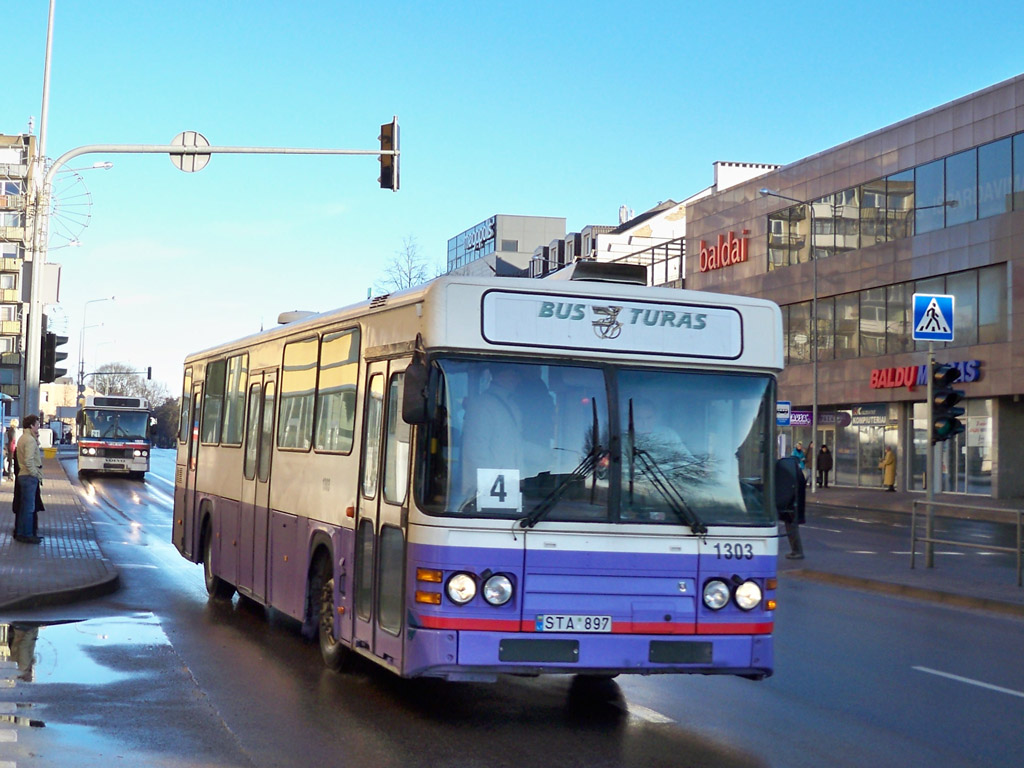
{"x":905,"y":590}
{"x":98,"y":588}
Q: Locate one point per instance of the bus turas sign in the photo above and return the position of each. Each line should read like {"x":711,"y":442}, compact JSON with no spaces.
{"x":577,"y":322}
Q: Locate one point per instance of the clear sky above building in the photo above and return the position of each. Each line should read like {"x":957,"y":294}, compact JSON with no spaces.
{"x":529,"y":108}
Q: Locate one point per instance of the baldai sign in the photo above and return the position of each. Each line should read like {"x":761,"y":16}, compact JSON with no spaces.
{"x":728,"y":251}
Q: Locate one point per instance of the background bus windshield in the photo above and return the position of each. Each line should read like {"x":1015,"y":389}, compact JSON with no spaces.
{"x":509,"y":438}
{"x":114,"y":425}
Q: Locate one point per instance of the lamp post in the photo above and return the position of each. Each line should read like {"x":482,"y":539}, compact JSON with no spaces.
{"x":81,"y":348}
{"x":814,"y":330}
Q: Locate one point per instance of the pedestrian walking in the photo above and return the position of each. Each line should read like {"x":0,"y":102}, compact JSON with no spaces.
{"x":888,"y":467}
{"x":824,"y":466}
{"x":790,"y":500}
{"x":799,"y":455}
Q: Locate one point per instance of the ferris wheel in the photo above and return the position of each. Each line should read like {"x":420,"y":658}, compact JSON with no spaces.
{"x":70,"y":208}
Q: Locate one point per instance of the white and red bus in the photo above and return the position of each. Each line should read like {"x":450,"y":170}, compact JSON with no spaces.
{"x":114,"y":435}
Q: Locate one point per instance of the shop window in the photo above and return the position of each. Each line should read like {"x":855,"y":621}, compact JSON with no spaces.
{"x":1018,"y":172}
{"x":929,"y":196}
{"x":995,"y":179}
{"x":872,"y":322}
{"x":899,"y":202}
{"x":961,"y":188}
{"x":825,"y":326}
{"x":798,"y":337}
{"x":963,"y":286}
{"x":992,"y":304}
{"x":847,"y":326}
{"x":847,"y":217}
{"x":823,"y":226}
{"x":898,"y":319}
{"x":778,"y":240}
{"x":872,"y":213}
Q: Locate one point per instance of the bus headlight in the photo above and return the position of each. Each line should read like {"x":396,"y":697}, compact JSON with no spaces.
{"x":498,"y":589}
{"x":138,"y":453}
{"x":716,"y":594}
{"x":461,"y":588}
{"x":90,"y":451}
{"x":748,"y":595}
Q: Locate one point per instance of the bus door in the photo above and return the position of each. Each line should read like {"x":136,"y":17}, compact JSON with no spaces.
{"x":255,"y":507}
{"x":383,"y":511}
{"x":185,"y":533}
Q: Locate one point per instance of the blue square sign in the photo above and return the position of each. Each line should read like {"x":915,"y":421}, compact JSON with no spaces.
{"x":933,"y":317}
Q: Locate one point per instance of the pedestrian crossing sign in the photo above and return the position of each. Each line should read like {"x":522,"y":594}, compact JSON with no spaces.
{"x":933,"y":317}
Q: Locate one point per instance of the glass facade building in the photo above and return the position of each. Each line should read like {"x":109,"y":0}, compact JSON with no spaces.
{"x":842,"y":241}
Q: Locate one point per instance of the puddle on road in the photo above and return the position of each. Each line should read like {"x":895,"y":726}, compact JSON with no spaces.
{"x":66,"y":652}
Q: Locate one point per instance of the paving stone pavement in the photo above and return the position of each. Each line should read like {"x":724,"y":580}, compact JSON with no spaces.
{"x":68,"y":565}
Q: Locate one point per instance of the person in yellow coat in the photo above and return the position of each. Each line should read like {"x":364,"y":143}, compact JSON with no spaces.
{"x":888,"y":467}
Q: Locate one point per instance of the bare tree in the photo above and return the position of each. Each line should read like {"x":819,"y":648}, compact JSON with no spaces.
{"x":408,"y":267}
{"x":122,"y":379}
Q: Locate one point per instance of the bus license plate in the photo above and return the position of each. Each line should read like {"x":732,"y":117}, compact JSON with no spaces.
{"x":573,"y":623}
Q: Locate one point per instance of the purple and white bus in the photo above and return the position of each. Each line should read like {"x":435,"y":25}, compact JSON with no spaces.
{"x":487,"y":476}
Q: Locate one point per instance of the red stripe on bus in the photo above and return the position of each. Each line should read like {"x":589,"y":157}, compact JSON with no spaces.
{"x":441,"y":622}
{"x":756,"y":628}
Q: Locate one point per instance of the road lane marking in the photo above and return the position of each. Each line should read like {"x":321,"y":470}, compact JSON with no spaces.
{"x":969,"y":681}
{"x":643,"y":713}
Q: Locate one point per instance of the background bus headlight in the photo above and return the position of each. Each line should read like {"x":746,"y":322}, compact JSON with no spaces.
{"x":138,"y":453}
{"x":716,"y":594}
{"x":498,"y":589}
{"x":461,"y":588}
{"x":748,"y":595}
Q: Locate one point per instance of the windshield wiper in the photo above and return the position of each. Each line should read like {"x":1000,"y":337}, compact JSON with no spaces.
{"x":580,"y":473}
{"x":662,"y":482}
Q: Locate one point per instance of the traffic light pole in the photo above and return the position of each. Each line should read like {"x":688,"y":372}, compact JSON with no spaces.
{"x":932,"y":462}
{"x":33,"y":333}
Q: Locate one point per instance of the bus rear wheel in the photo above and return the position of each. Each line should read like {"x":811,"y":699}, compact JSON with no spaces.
{"x":334,"y":652}
{"x":216,"y":587}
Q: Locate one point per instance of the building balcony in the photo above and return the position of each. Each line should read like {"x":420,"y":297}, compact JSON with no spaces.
{"x":10,"y":265}
{"x":12,"y":202}
{"x":12,"y":233}
{"x":10,"y":358}
{"x":10,"y":327}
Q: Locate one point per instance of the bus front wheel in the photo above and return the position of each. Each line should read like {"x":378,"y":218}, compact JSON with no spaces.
{"x":216,"y":587}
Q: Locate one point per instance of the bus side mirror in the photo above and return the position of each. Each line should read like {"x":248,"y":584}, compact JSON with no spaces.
{"x":414,"y":397}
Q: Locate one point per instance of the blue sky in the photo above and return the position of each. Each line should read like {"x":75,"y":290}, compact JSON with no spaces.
{"x":530,"y":108}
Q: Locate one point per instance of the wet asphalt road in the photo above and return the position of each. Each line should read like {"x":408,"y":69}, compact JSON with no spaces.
{"x":157,"y":675}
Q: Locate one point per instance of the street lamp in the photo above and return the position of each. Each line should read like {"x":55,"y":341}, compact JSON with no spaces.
{"x":81,"y":348}
{"x":814,"y":330}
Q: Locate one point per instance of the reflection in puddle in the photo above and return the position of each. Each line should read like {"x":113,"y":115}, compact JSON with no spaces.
{"x":65,"y":652}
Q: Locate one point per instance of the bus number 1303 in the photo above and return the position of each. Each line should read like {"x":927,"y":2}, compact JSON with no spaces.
{"x":734,"y":551}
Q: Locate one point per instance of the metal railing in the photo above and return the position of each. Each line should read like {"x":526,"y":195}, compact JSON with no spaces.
{"x":929,"y":537}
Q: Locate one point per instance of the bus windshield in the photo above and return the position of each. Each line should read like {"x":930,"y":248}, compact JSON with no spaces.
{"x":534,"y":441}
{"x":114,"y":425}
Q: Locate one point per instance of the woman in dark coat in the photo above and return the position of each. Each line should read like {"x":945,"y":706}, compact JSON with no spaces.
{"x":824,"y":466}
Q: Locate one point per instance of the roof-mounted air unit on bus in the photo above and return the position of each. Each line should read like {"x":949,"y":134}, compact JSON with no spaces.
{"x":294,"y":316}
{"x":603,"y":272}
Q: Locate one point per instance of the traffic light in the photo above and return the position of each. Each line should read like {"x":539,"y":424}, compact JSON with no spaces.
{"x":944,"y":402}
{"x":389,"y":163}
{"x":49,"y":357}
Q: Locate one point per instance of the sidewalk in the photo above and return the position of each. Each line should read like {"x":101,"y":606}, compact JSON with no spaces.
{"x":875,"y":553}
{"x":67,"y":566}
